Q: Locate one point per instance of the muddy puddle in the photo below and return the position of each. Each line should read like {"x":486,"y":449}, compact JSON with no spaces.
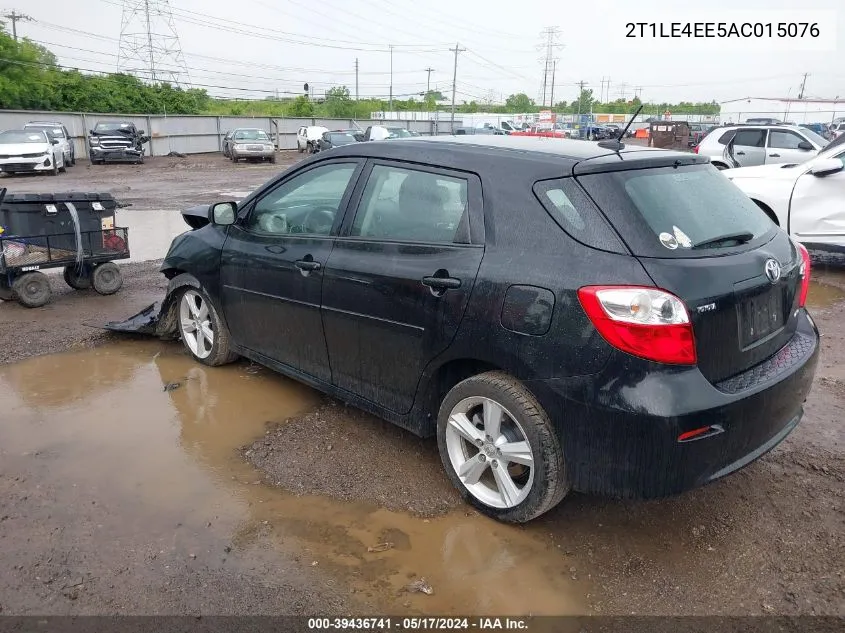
{"x":824,"y":294}
{"x":141,"y":430}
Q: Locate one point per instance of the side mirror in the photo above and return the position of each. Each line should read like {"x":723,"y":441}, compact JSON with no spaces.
{"x":91,"y":132}
{"x":826,"y":167}
{"x":223,"y":213}
{"x":141,"y":132}
{"x":54,"y":141}
{"x":806,"y":146}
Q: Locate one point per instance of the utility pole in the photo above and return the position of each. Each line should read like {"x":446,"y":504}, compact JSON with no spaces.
{"x":581,"y":85}
{"x":552,"y":98}
{"x":16,"y":17}
{"x":390,"y":106}
{"x":803,"y":84}
{"x":356,"y":79}
{"x":455,"y":50}
{"x":428,"y":81}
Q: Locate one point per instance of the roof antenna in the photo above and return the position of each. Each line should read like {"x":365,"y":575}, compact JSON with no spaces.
{"x":615,"y":143}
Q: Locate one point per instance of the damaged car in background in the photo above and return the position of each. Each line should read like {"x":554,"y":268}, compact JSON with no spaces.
{"x":119,"y":142}
{"x":805,"y":199}
{"x":609,"y":320}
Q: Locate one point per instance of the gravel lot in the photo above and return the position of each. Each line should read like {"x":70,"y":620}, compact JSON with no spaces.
{"x":273,"y":494}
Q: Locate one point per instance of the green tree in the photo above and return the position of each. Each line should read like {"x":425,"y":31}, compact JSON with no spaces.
{"x":584,"y":103}
{"x":301,"y":107}
{"x":519,"y":102}
{"x":339,"y":103}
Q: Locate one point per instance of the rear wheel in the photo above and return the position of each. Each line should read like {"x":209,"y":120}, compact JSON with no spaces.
{"x":32,"y":289}
{"x":499,"y":448}
{"x":107,"y":278}
{"x":202,"y":331}
{"x":78,"y":278}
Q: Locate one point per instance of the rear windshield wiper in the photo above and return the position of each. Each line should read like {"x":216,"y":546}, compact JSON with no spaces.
{"x":739,"y":237}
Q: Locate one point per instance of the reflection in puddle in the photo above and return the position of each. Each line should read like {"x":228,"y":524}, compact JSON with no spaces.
{"x":150,"y":232}
{"x":158,"y":458}
{"x":823,"y":295}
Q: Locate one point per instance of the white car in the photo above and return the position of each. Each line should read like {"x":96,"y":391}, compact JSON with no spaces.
{"x":308,"y":137}
{"x":807,"y":200}
{"x":29,"y":151}
{"x":754,"y":145}
{"x":56,"y":130}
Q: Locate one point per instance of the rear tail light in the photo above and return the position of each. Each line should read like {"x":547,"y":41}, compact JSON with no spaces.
{"x":644,"y":322}
{"x":695,"y":150}
{"x":805,"y":275}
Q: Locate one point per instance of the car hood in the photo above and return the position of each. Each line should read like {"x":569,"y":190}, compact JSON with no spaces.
{"x":16,"y":149}
{"x":786,"y":171}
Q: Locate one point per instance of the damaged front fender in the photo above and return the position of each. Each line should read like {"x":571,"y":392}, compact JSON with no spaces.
{"x":160,"y":318}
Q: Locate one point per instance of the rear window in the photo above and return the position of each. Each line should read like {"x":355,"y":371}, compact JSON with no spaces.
{"x":678,"y":212}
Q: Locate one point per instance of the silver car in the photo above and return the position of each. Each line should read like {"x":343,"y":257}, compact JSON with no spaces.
{"x":251,"y":143}
{"x":752,"y":145}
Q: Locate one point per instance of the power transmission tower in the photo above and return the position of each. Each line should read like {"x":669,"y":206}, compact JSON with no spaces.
{"x":623,"y":90}
{"x":16,"y":17}
{"x":550,"y":44}
{"x":356,"y":79}
{"x":552,"y":98}
{"x":149,"y":44}
{"x":803,"y":85}
{"x":455,"y":50}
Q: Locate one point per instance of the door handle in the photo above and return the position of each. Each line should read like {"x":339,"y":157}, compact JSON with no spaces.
{"x":774,"y":155}
{"x":307,"y":264}
{"x":441,"y":283}
{"x":740,"y":153}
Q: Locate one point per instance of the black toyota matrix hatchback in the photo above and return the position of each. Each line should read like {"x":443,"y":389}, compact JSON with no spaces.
{"x":560,"y":315}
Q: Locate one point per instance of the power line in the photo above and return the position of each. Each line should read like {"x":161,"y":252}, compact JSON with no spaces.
{"x":148,"y":37}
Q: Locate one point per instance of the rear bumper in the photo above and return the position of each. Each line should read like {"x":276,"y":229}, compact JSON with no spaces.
{"x":620,"y":428}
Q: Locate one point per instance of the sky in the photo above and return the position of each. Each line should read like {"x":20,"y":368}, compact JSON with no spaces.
{"x":256,"y":48}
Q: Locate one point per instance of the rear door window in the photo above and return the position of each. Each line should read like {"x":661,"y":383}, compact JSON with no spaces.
{"x":690,"y":211}
{"x":750,"y":138}
{"x":726,"y":137}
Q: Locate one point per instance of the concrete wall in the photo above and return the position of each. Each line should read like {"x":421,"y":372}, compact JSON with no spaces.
{"x":189,"y":134}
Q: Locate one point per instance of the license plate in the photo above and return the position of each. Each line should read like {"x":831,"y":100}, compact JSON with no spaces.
{"x":761,"y":315}
{"x":255,"y":148}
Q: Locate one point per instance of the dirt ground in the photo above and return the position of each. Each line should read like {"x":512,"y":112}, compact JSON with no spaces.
{"x":161,"y":182}
{"x":135,"y":481}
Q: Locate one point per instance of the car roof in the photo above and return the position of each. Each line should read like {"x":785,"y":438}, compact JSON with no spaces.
{"x":563,"y":154}
{"x":50,"y":123}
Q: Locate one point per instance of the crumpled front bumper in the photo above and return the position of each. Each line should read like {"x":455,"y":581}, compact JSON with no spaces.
{"x":115,"y":155}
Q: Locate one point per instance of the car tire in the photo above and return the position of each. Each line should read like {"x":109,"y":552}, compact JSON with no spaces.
{"x":76,"y":278}
{"x":299,"y":147}
{"x":107,"y":278}
{"x":196,"y":313}
{"x":63,"y":168}
{"x":523,"y":424}
{"x":55,"y":170}
{"x":273,"y":159}
{"x":32,"y":289}
{"x":235,"y":159}
{"x":73,"y":160}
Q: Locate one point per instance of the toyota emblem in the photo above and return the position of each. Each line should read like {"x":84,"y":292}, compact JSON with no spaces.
{"x":772,"y":270}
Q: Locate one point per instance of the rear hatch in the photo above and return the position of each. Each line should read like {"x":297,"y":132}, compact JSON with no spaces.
{"x":700,"y":238}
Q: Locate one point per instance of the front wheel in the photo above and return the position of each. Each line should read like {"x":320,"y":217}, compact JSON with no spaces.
{"x":32,"y":289}
{"x":107,"y":278}
{"x":499,"y":448}
{"x":202,"y":330}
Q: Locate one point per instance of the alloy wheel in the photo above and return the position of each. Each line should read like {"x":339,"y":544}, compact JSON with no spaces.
{"x":490,"y":452}
{"x":195,"y":324}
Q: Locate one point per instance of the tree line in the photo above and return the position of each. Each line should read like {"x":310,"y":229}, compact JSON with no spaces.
{"x":31,"y":79}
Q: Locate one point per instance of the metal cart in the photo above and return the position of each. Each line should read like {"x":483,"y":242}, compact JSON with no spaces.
{"x":42,"y":231}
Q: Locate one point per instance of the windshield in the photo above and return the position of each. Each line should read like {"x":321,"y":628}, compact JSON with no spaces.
{"x":48,"y":129}
{"x":113,"y":127}
{"x":815,"y":138}
{"x":251,"y":135}
{"x":667,"y":211}
{"x":398,"y":132}
{"x":22,"y":136}
{"x":341,"y":139}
